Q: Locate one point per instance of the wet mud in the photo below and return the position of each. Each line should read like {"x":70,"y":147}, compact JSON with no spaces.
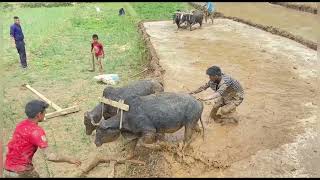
{"x":279,"y":76}
{"x":270,"y":29}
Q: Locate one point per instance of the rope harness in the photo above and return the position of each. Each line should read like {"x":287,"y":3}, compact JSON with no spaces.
{"x":121,"y":114}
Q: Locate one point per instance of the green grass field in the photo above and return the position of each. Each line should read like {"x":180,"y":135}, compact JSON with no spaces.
{"x":58,"y":51}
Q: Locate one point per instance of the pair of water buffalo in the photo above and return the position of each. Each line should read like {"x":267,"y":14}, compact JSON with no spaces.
{"x":189,"y":18}
{"x":151,"y":112}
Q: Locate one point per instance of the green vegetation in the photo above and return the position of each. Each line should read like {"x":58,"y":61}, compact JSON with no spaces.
{"x":58,"y":51}
{"x":158,"y":11}
{"x":45,"y":4}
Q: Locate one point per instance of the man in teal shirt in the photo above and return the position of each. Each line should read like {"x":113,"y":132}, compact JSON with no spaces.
{"x":209,"y":11}
{"x":210,"y":7}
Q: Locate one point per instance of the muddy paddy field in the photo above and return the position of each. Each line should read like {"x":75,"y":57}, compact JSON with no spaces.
{"x":280,"y":78}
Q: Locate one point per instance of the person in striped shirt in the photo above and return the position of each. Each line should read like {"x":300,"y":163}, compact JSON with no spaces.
{"x":228,"y":94}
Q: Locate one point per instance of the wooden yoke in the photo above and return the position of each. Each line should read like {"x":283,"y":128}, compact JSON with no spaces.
{"x":116,"y":104}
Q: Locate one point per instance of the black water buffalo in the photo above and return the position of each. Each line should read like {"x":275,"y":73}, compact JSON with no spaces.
{"x":149,"y":115}
{"x":138,"y":88}
{"x":194,"y":18}
{"x":179,"y":18}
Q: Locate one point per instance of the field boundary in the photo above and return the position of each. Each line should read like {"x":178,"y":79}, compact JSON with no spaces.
{"x":270,"y":29}
{"x":152,"y":57}
{"x":303,"y":8}
{"x":156,"y":69}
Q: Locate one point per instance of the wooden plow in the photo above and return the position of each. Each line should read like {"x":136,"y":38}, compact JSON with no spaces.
{"x":59,"y":111}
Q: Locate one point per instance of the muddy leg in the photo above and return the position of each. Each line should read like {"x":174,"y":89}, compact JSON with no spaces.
{"x":148,"y":141}
{"x":132,"y":147}
{"x":213,"y":115}
{"x":188,"y":131}
{"x":160,"y":136}
{"x":197,"y":128}
{"x":229,"y":113}
{"x":206,"y":16}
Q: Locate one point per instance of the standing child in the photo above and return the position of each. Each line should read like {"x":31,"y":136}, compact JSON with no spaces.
{"x":97,"y":52}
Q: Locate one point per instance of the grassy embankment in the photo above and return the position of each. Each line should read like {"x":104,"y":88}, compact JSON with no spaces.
{"x":58,"y":44}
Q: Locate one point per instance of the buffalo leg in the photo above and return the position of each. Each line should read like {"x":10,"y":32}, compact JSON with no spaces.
{"x":187,"y":135}
{"x":132,"y":147}
{"x":197,"y":128}
{"x":160,"y":136}
{"x":148,"y":141}
{"x":149,"y":138}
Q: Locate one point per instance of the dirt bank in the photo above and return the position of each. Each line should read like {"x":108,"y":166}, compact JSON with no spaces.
{"x":156,"y":70}
{"x":271,"y":29}
{"x":280,"y":78}
{"x":306,"y":7}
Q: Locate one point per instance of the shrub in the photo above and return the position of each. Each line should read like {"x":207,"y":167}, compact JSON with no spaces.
{"x":45,"y":4}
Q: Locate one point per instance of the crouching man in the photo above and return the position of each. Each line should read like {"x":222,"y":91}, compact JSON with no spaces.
{"x":26,"y":139}
{"x":228,"y":94}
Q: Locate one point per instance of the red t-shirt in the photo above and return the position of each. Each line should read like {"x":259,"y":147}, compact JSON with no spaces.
{"x":26,"y":139}
{"x":98,"y":48}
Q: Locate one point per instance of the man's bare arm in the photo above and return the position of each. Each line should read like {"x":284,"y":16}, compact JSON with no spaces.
{"x":213,"y":96}
{"x":202,"y":88}
{"x":218,"y":93}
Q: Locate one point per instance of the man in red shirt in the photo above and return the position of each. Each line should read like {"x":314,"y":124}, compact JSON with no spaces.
{"x":26,"y":139}
{"x":97,"y":52}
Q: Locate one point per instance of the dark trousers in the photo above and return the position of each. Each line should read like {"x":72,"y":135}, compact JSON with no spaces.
{"x":22,"y":53}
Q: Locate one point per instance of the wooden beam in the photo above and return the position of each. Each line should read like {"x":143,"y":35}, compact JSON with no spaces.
{"x":56,"y":107}
{"x":112,"y":165}
{"x":62,"y":112}
{"x":116,"y":104}
{"x":101,"y":159}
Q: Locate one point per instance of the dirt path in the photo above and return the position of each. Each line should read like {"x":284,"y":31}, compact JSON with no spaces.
{"x":299,"y":23}
{"x":280,"y":78}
